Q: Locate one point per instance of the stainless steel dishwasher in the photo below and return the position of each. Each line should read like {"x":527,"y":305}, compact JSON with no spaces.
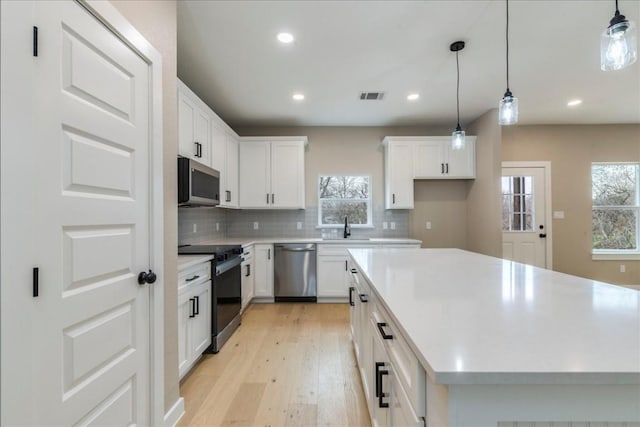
{"x":295,"y":272}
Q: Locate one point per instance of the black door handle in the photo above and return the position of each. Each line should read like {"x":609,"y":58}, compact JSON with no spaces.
{"x":378,"y":366}
{"x":192,"y":307}
{"x":441,"y":167}
{"x":542,"y":235}
{"x":447,"y":168}
{"x":351,"y":289}
{"x":145,"y":277}
{"x":197,"y":305}
{"x":363,"y":298}
{"x":385,"y":336}
{"x":394,"y":198}
{"x":382,"y":395}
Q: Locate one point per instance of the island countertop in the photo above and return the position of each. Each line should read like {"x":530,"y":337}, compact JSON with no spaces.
{"x":475,"y":319}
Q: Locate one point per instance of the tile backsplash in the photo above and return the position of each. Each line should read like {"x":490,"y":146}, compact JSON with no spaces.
{"x":217,"y":223}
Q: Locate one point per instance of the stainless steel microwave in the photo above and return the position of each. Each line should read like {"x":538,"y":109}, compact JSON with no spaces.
{"x":198,"y":185}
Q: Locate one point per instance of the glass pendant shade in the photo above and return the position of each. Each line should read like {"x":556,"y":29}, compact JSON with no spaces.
{"x":618,"y":45}
{"x":458,"y":141}
{"x":508,"y":109}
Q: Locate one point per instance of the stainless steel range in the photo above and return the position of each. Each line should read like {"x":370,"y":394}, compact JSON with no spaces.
{"x":226,"y":292}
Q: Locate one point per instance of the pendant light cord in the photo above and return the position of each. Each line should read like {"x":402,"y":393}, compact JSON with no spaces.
{"x":507,"y":37}
{"x":458,"y":90}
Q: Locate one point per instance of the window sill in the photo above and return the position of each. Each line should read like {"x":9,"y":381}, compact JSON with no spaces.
{"x":616,"y":256}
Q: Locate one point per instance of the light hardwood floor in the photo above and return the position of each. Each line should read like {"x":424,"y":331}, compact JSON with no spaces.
{"x":287,"y":365}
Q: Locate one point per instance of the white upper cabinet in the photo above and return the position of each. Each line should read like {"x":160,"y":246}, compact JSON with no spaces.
{"x":433,"y":158}
{"x":194,"y":127}
{"x":272,"y":173}
{"x":219,"y":148}
{"x":398,"y":172}
{"x":230,"y":182}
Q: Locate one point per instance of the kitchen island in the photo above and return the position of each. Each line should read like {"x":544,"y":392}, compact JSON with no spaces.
{"x":498,"y":342}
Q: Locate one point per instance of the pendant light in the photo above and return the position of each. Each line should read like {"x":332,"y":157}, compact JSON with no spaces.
{"x":508,"y":108}
{"x":457,"y":137}
{"x":618,"y":43}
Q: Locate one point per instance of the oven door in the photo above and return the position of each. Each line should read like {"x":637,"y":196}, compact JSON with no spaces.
{"x":226,"y":294}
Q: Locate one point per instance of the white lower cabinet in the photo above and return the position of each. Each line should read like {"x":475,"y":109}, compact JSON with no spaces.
{"x":393,"y":379}
{"x":263,"y":262}
{"x":248,"y":275}
{"x":194,"y":314}
{"x":333,"y":271}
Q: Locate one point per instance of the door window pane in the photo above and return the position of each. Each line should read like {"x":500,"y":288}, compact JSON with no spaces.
{"x":517,"y":203}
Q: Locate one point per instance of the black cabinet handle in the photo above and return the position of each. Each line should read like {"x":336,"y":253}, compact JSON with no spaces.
{"x":351,"y":289}
{"x":393,"y":197}
{"x":385,"y":336}
{"x":542,"y":235}
{"x":228,"y":198}
{"x":267,"y":198}
{"x":269,"y":253}
{"x":354,"y":271}
{"x":273,"y":198}
{"x":441,"y":167}
{"x":346,"y":265}
{"x":378,"y":366}
{"x":192,"y":308}
{"x":193,"y":278}
{"x":197,"y":305}
{"x":381,"y":403}
{"x":248,"y":273}
{"x":447,"y":167}
{"x":36,"y":270}
{"x":363,"y":298}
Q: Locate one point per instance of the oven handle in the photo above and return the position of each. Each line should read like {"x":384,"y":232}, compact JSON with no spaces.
{"x":225,"y":266}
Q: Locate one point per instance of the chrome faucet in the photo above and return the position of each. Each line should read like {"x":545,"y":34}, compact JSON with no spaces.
{"x":347,"y":228}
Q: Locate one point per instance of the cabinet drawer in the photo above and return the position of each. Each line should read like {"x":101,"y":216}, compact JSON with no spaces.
{"x":194,"y":275}
{"x":341,"y":249}
{"x":402,"y":413}
{"x":408,"y":369}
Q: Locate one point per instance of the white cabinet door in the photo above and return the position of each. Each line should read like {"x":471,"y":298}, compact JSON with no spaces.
{"x":462,"y":163}
{"x":399,"y":175}
{"x":379,"y":380}
{"x":184,"y":311}
{"x":401,"y":412}
{"x":194,"y":129}
{"x":428,"y":159}
{"x":287,"y":174}
{"x":332,"y":276}
{"x":230,"y":194}
{"x":263,"y":261}
{"x":255,"y":174}
{"x":248,"y":274}
{"x":218,"y":156}
{"x":201,"y":322}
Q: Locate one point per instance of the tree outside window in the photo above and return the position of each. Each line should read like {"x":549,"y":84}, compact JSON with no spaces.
{"x":343,"y":196}
{"x":615,"y":195}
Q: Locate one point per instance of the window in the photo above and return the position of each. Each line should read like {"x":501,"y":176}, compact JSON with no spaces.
{"x":517,"y":203}
{"x":344,"y":195}
{"x":615,"y":195}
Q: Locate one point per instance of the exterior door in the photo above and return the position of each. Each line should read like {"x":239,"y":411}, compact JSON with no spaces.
{"x":91,"y":321}
{"x":523,"y":215}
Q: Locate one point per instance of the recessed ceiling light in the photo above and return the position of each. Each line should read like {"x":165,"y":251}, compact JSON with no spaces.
{"x":285,"y":37}
{"x":413,"y":96}
{"x":298,"y":96}
{"x":574,"y":102}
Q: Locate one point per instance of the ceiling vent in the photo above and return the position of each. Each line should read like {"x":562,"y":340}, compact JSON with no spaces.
{"x":371,"y":96}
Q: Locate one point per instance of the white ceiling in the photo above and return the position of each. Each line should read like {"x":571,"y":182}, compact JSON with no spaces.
{"x":228,"y":54}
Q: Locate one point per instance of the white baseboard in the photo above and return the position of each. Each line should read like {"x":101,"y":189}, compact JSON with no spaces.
{"x":174,"y":414}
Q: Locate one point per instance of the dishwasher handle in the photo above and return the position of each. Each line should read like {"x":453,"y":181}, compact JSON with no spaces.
{"x":295,"y":249}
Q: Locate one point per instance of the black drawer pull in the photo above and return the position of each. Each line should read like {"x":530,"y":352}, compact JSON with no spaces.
{"x":354,"y":271}
{"x":378,"y":366}
{"x":197,"y":305}
{"x":385,"y":336}
{"x":193,"y":278}
{"x":351,"y":289}
{"x":363,"y":298}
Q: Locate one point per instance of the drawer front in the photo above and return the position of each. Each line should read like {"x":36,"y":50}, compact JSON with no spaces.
{"x":402,"y":413}
{"x":194,"y":275}
{"x":340,"y":249}
{"x":409,"y":371}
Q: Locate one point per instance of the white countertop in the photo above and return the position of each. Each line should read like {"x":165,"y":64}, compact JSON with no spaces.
{"x":246,"y":241}
{"x":475,"y":319}
{"x":186,"y":261}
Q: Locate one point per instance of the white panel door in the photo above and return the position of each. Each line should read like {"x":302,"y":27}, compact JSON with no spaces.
{"x":287,"y":174}
{"x":399,"y":176}
{"x":186,"y":137}
{"x":523,"y":215}
{"x":333,"y":278}
{"x":91,"y":324}
{"x":218,"y":150}
{"x":428,"y":159}
{"x":202,"y":135}
{"x":231,"y":184}
{"x":263,"y":263}
{"x":255,"y":184}
{"x":461,"y":163}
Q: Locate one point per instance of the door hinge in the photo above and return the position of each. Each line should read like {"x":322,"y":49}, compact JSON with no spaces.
{"x":35,"y":41}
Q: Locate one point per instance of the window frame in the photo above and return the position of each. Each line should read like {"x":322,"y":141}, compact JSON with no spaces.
{"x":368,"y":200}
{"x":618,"y":254}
